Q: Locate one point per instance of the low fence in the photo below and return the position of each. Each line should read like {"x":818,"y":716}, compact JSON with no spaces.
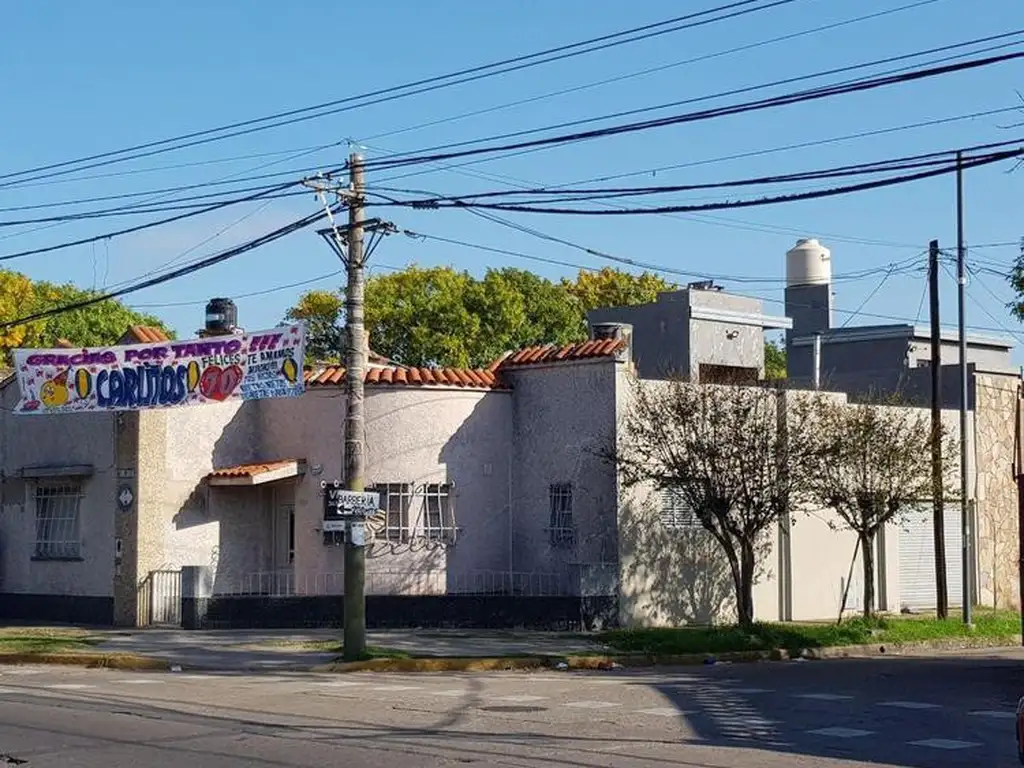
{"x":573,"y":581}
{"x":579,"y":597}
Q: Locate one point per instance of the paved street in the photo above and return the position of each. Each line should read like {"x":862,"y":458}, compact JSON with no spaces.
{"x":893,"y":712}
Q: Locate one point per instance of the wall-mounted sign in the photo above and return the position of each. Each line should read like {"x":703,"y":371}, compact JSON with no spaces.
{"x":342,"y":507}
{"x":251,"y":366}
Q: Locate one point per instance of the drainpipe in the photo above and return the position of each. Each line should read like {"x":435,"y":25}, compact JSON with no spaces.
{"x":817,"y":361}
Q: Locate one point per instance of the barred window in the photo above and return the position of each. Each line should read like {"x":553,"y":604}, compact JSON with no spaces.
{"x":58,"y":530}
{"x":561,"y":531}
{"x":395,"y":500}
{"x":438,"y":520}
{"x":676,"y":512}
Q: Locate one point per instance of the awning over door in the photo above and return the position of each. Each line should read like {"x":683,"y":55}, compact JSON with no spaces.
{"x":258,"y":473}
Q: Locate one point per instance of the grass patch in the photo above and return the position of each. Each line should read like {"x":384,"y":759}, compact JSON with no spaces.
{"x":328,"y":646}
{"x":793,"y":636}
{"x":20,"y":640}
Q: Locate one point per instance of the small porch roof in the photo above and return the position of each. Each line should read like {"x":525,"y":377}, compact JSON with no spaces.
{"x":257,"y":473}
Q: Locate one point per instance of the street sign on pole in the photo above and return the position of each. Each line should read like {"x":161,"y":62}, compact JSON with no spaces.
{"x":342,"y":507}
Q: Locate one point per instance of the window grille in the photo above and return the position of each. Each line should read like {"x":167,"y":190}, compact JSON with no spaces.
{"x":438,"y":521}
{"x":395,"y":500}
{"x":676,"y":512}
{"x":58,"y":532}
{"x":560,"y":501}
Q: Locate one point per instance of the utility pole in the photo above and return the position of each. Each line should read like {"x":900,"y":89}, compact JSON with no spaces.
{"x":348,"y":244}
{"x":961,"y":279}
{"x":355,"y":426}
{"x":941,"y":588}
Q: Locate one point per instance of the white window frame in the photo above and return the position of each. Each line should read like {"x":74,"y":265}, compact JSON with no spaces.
{"x":676,"y":512}
{"x":562,"y":529}
{"x":57,"y":518}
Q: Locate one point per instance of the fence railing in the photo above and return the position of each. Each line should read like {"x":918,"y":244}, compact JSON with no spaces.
{"x":159,"y":599}
{"x":574,"y":581}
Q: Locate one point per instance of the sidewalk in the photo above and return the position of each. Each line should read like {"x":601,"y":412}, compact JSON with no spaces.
{"x":269,"y":649}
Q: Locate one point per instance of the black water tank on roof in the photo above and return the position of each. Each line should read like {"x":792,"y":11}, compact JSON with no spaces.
{"x":221,"y":317}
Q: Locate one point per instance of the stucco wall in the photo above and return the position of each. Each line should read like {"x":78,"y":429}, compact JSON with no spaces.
{"x":564,"y":418}
{"x":413,"y":435}
{"x":181,"y":521}
{"x":996,"y":490}
{"x":64,"y":440}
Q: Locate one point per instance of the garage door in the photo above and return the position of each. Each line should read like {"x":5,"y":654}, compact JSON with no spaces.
{"x":917,"y":559}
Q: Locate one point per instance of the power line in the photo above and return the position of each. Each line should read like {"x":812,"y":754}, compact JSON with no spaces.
{"x":856,"y":85}
{"x":425,"y":85}
{"x":252,"y":294}
{"x":175,"y":274}
{"x":147,"y":225}
{"x":652,"y":70}
{"x":904,"y":162}
{"x":748,"y":203}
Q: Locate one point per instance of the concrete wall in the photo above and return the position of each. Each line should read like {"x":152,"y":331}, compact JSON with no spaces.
{"x":996,"y":490}
{"x":56,"y":441}
{"x":564,"y":417}
{"x":661,"y":333}
{"x":671,"y":577}
{"x":413,"y":435}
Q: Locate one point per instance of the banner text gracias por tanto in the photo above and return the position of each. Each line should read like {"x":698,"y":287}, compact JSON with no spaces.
{"x":251,"y":366}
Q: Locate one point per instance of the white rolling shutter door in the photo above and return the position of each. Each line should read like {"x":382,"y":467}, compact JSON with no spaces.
{"x":917,"y":559}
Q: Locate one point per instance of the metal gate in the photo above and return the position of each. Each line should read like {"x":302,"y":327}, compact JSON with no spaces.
{"x":160,"y":599}
{"x":917,"y":559}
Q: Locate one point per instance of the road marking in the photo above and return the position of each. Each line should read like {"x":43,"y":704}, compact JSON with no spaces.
{"x":24,"y":672}
{"x":841,"y":733}
{"x":449,"y":692}
{"x":824,"y":696}
{"x":396,"y":688}
{"x":520,"y":699}
{"x":1001,"y":715}
{"x":592,"y":704}
{"x":134,"y":682}
{"x":663,"y":712}
{"x":9,"y":690}
{"x":750,"y":691}
{"x":944,"y":744}
{"x":339,"y":684}
{"x":909,"y":704}
{"x":70,"y":687}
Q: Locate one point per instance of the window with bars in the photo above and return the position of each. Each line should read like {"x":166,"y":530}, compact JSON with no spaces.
{"x":58,"y":527}
{"x":395,"y":500}
{"x":438,"y":522}
{"x":676,"y":512}
{"x":562,"y":532}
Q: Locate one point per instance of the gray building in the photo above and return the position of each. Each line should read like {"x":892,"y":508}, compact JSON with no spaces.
{"x":862,"y":360}
{"x":698,"y":333}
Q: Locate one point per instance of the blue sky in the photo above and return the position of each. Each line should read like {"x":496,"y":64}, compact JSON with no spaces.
{"x":86,"y":78}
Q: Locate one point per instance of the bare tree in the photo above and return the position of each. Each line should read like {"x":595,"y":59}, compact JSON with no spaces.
{"x":873,"y":466}
{"x":738,"y":456}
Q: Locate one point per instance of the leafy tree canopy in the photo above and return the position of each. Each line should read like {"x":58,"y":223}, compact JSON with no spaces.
{"x":95,"y":325}
{"x":442,"y":316}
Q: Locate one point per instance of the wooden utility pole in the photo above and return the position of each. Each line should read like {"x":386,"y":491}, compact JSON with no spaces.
{"x":355,"y":426}
{"x":961,"y":279}
{"x":941,"y":588}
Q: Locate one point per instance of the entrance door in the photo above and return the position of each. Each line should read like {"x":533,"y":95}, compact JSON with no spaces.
{"x":284,"y":549}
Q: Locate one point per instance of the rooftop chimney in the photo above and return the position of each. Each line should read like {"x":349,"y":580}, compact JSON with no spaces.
{"x":622,"y":331}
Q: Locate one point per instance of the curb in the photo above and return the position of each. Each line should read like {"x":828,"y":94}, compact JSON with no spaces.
{"x":122,"y":661}
{"x":618,"y":661}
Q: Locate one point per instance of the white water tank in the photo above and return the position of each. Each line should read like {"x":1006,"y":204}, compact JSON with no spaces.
{"x":808,"y":263}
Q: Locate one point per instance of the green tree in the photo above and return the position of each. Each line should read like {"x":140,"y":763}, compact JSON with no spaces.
{"x":615,"y":288}
{"x":774,"y":361}
{"x":95,"y":325}
{"x":323,"y":313}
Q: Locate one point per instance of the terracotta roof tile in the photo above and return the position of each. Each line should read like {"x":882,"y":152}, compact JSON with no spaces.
{"x":331,"y":375}
{"x":143,"y":334}
{"x":252,"y":470}
{"x":551,"y":353}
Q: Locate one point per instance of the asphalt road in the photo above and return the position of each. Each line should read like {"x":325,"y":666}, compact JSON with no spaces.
{"x":892,"y":712}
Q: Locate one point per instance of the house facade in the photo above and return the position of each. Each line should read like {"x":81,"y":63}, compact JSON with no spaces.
{"x":499,"y":506}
